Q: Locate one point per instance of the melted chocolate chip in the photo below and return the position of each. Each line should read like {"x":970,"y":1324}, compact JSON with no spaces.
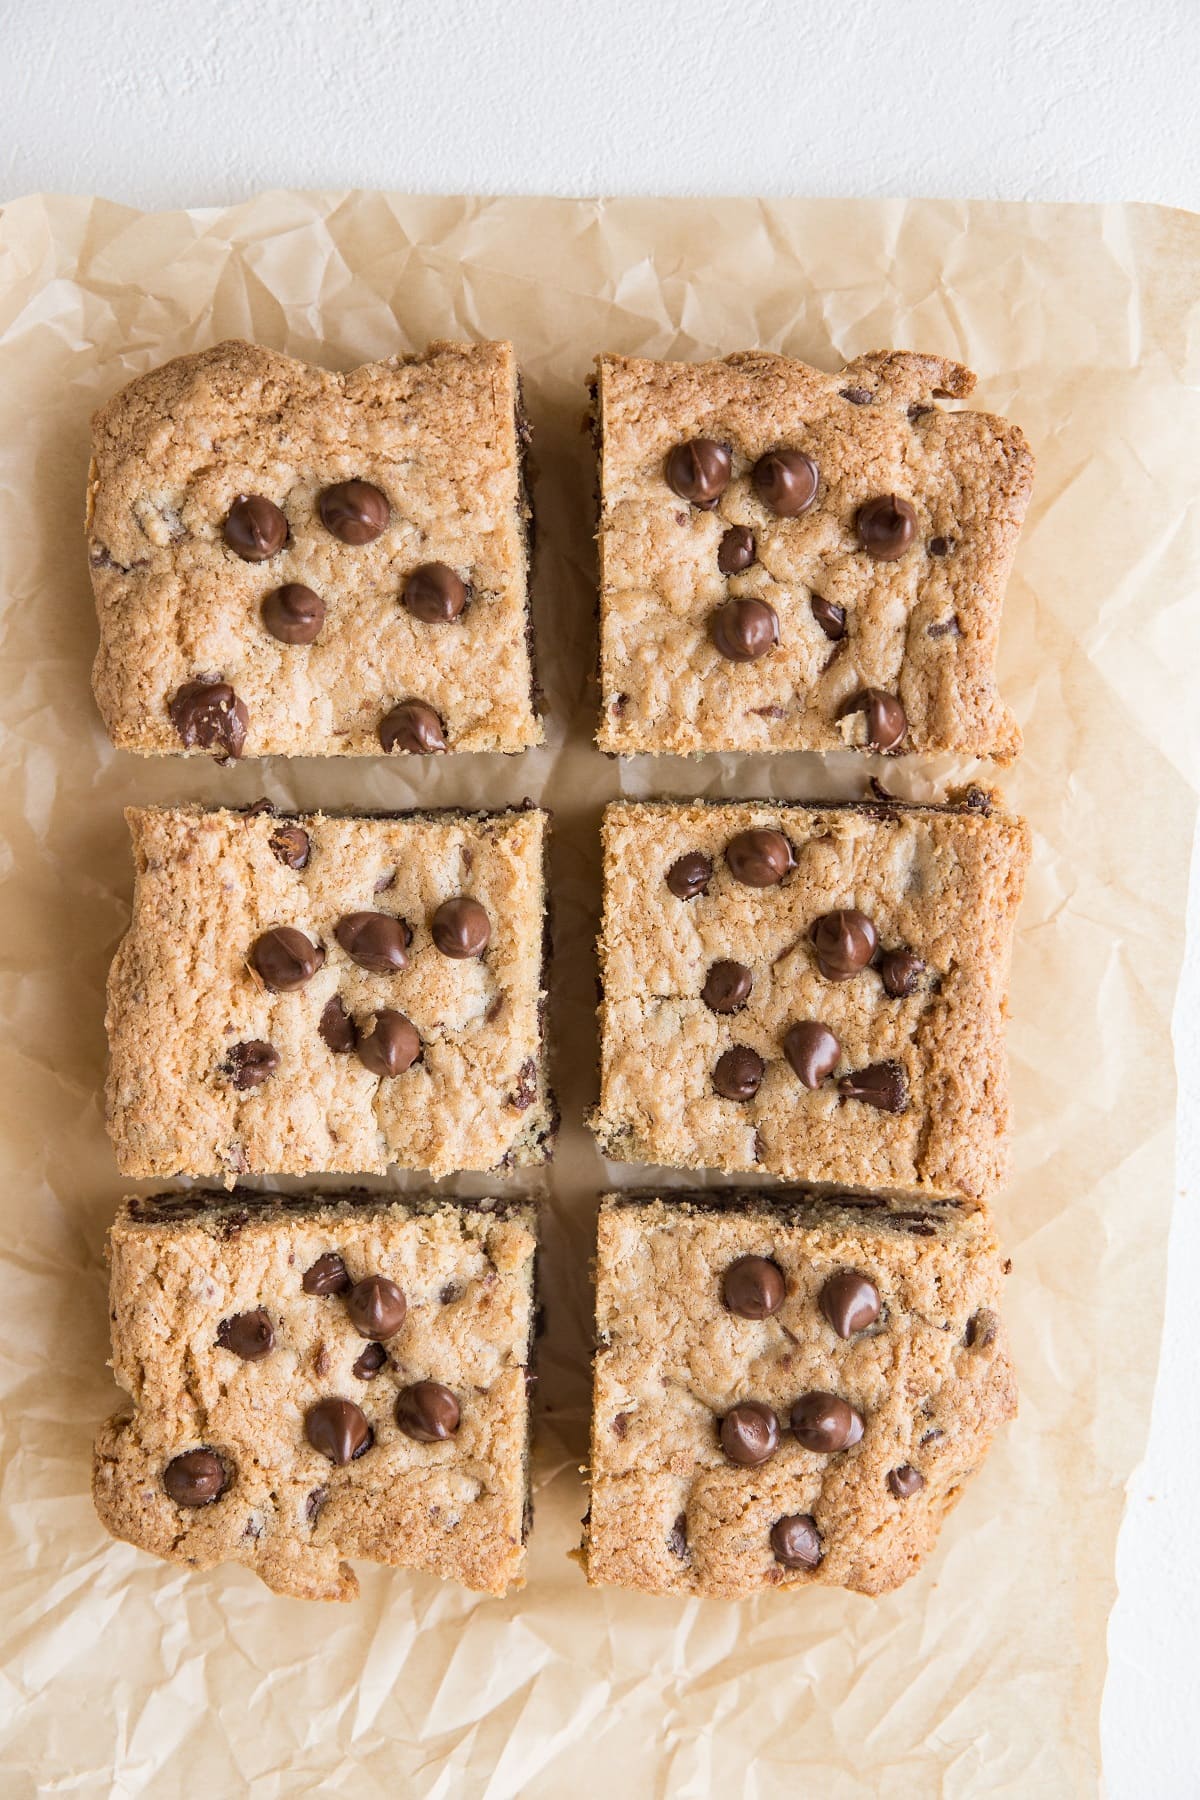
{"x":314,"y":1503}
{"x":759,"y":858}
{"x":796,"y":1542}
{"x":356,"y":512}
{"x":414,"y":727}
{"x":460,"y":928}
{"x":427,"y":1411}
{"x":284,"y":959}
{"x":737,"y":550}
{"x":196,"y":1478}
{"x":327,"y":1275}
{"x":786,"y":482}
{"x":886,"y":527}
{"x":294,"y":614}
{"x":857,"y":396}
{"x":249,"y":1335}
{"x":882,"y":1085}
{"x":339,"y":1430}
{"x":812,"y":1050}
{"x":248,"y":1065}
{"x":886,"y":721}
{"x":982,"y":1330}
{"x":830,"y":617}
{"x":749,"y":1434}
{"x":677,"y":1538}
{"x":850,"y":1301}
{"x":738,"y":1073}
{"x":435,"y":594}
{"x":905,"y":1482}
{"x":939,"y":546}
{"x":843,"y":942}
{"x":255,"y":528}
{"x":699,"y":471}
{"x":944,"y":628}
{"x":900,"y":970}
{"x":376,"y":1307}
{"x":391,"y":1046}
{"x":690,"y":875}
{"x":368,"y":1365}
{"x":338,"y":1030}
{"x":826,"y":1423}
{"x":375,"y":941}
{"x":743,"y":631}
{"x":209,"y":716}
{"x":290,"y":846}
{"x":727,"y":987}
{"x":753,"y":1287}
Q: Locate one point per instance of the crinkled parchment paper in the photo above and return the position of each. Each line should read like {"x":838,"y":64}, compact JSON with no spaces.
{"x":125,"y":1676}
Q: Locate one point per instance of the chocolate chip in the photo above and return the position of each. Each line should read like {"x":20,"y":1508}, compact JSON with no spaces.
{"x":449,"y":1293}
{"x":461,"y":928}
{"x":314,"y":1503}
{"x":738,"y":1074}
{"x":886,"y":720}
{"x":753,"y":1287}
{"x":284,"y":959}
{"x":727,"y":987}
{"x":886,"y":527}
{"x":338,"y":1030}
{"x":677,"y":1538}
{"x":620,"y":1424}
{"x":939,"y":546}
{"x":843,"y":942}
{"x":249,"y":1335}
{"x":982,"y":1329}
{"x":737,"y":550}
{"x":525,"y":1092}
{"x":857,"y":396}
{"x":749,"y":1434}
{"x":368,"y":1365}
{"x":786,"y":482}
{"x":255,"y":528}
{"x":293,"y":614}
{"x":391,"y":1046}
{"x":209,"y":715}
{"x":743,"y":631}
{"x":826,"y":1423}
{"x":900,"y":971}
{"x":354,"y":511}
{"x":759,"y":859}
{"x":248,"y":1065}
{"x":339,"y":1430}
{"x":690,"y":875}
{"x":850,"y":1301}
{"x":944,"y":628}
{"x":830,"y":617}
{"x":796,"y":1542}
{"x":327,"y":1275}
{"x":427,"y":1411}
{"x":699,"y":471}
{"x":812,"y":1051}
{"x":413,"y":726}
{"x":905,"y":1482}
{"x":290,"y":845}
{"x":375,"y":941}
{"x":196,"y":1478}
{"x":882,"y":1085}
{"x":434,"y":593}
{"x":376,"y":1307}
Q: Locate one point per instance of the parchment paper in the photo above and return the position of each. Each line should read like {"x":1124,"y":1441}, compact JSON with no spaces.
{"x":128,"y":1677}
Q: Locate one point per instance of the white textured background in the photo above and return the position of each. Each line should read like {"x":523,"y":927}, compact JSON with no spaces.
{"x":173,"y":105}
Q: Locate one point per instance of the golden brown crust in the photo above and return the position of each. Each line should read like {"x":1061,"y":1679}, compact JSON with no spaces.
{"x":173,"y":450}
{"x":932,"y":1379}
{"x":924,"y":627}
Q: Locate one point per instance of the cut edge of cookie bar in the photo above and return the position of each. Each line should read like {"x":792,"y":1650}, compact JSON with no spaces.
{"x":952,"y":704}
{"x":137,"y":425}
{"x":533,"y":1138}
{"x":669,"y":1511}
{"x":963,"y":1150}
{"x":191,"y":1263}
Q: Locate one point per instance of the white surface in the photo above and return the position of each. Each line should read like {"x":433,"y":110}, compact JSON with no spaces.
{"x":170,"y":106}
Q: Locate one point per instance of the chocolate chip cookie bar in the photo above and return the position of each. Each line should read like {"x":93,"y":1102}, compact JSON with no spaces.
{"x":788,"y":1391}
{"x":314,"y":1379}
{"x":797,"y":561}
{"x":294,"y":562}
{"x":322,"y":993}
{"x":815,"y":992}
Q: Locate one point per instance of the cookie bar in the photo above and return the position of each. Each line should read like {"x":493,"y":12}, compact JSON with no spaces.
{"x":289,"y":561}
{"x":815,"y":992}
{"x":797,"y":561}
{"x":315,"y":1379}
{"x":788,"y":1391}
{"x":320,"y":993}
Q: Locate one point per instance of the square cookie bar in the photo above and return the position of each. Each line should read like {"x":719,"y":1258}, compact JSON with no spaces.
{"x":797,"y":561}
{"x":319,"y":1378}
{"x":787,"y":1390}
{"x":816,"y":992}
{"x":319,"y":993}
{"x":289,"y":561}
